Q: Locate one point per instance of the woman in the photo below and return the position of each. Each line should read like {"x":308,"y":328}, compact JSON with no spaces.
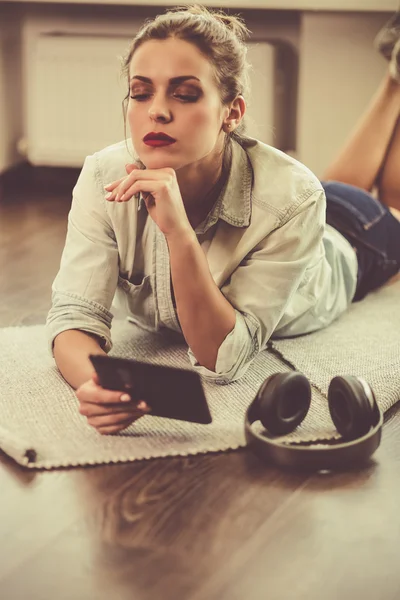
{"x":211,"y":234}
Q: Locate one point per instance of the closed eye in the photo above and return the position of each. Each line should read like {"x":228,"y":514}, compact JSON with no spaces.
{"x":139,"y":97}
{"x":182,"y":97}
{"x":186,"y":98}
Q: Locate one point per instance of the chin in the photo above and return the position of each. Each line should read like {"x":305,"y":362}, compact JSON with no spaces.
{"x":162,"y":162}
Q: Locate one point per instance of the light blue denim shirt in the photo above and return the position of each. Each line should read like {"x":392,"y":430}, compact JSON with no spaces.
{"x":268,"y":248}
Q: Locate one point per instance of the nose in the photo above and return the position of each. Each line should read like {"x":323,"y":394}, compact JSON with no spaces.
{"x":159,"y":111}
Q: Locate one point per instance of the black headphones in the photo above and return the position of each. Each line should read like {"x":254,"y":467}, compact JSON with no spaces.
{"x":282,"y":403}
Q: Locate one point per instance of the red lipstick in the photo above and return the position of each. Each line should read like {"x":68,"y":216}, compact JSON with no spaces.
{"x":158,"y":139}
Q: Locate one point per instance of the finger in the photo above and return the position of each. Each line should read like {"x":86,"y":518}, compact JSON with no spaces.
{"x":113,"y":429}
{"x":167,"y":176}
{"x":125,"y":195}
{"x":110,"y":197}
{"x":95,"y":394}
{"x":120,"y":190}
{"x":117,"y":187}
{"x":148,"y":189}
{"x":131,"y":167}
{"x":91,"y":410}
{"x":111,"y":186}
{"x":121,"y":194}
{"x":111,"y":420}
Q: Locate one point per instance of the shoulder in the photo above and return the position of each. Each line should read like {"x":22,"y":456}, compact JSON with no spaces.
{"x":99,"y":169}
{"x":280,"y":182}
{"x":110,"y":161}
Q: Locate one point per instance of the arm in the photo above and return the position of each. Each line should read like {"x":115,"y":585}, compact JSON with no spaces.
{"x":205,"y":316}
{"x":71,"y":352}
{"x":271,"y":285}
{"x":79,"y":320}
{"x":105,"y":410}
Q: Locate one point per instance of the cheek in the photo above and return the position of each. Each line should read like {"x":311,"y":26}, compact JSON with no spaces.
{"x":204,"y":118}
{"x":131,"y":113}
{"x":134,"y":119}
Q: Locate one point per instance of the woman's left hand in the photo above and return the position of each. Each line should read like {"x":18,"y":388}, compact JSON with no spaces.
{"x":161,"y":194}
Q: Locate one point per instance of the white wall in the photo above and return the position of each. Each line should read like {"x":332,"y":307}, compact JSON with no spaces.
{"x":10,"y":86}
{"x":339,"y":72}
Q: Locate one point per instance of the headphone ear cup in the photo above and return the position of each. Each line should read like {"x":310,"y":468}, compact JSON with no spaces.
{"x":351,"y":403}
{"x":283,"y":400}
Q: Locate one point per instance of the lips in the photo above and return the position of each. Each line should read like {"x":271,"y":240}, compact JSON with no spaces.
{"x":158,"y":139}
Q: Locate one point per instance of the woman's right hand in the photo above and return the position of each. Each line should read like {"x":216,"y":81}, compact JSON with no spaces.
{"x":104,"y":409}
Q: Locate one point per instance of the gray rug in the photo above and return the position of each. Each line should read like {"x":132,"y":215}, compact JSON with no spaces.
{"x":40,"y":426}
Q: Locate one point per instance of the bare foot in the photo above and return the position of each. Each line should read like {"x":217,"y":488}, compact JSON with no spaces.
{"x":388,"y":36}
{"x":394,"y":66}
{"x":395,"y":212}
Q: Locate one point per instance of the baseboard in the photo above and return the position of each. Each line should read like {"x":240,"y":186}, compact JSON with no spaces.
{"x":25,"y":178}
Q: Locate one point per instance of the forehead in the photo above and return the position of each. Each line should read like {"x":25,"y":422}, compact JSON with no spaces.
{"x":165,"y":59}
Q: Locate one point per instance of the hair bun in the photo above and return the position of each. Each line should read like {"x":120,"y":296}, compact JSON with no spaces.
{"x":232,"y":22}
{"x":235,"y":24}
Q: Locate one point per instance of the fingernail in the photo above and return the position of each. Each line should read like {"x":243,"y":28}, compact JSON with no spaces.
{"x":125,"y":398}
{"x":122,"y":197}
{"x":108,"y":195}
{"x":117,"y":198}
{"x":107,"y":186}
{"x":143,"y":406}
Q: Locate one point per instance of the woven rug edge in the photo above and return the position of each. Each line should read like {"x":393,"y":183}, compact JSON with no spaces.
{"x":49,"y":464}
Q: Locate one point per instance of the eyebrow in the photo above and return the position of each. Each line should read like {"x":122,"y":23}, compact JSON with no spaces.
{"x":173,"y":81}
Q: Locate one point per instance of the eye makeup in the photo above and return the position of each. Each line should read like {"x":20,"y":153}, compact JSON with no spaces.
{"x":178,"y":85}
{"x":183,"y":93}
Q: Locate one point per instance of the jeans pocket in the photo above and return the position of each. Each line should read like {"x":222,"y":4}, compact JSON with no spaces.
{"x":352,"y":206}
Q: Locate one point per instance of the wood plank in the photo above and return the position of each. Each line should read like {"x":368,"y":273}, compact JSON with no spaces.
{"x":148,"y":527}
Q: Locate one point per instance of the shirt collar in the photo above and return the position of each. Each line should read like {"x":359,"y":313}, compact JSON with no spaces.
{"x":234,"y":202}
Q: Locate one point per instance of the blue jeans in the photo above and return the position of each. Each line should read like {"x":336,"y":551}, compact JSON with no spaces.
{"x":370,"y":228}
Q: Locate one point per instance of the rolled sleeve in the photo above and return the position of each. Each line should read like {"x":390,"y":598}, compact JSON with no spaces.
{"x":85,"y":284}
{"x":235,"y":353}
{"x":73,"y":312}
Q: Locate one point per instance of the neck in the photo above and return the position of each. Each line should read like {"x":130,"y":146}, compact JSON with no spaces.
{"x":201,"y":189}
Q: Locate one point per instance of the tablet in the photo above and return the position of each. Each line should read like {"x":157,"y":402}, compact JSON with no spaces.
{"x":169,"y":392}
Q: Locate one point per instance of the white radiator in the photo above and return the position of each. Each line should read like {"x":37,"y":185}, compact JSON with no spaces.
{"x":73,"y":95}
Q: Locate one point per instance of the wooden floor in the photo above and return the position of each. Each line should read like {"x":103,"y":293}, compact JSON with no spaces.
{"x":212,"y":527}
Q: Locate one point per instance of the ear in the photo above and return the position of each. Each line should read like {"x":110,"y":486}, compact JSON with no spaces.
{"x":237,"y":111}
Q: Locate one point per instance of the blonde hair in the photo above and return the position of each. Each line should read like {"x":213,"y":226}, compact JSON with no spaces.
{"x":219,"y":37}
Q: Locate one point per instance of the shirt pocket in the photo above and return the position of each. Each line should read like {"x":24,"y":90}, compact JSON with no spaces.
{"x":139,"y":299}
